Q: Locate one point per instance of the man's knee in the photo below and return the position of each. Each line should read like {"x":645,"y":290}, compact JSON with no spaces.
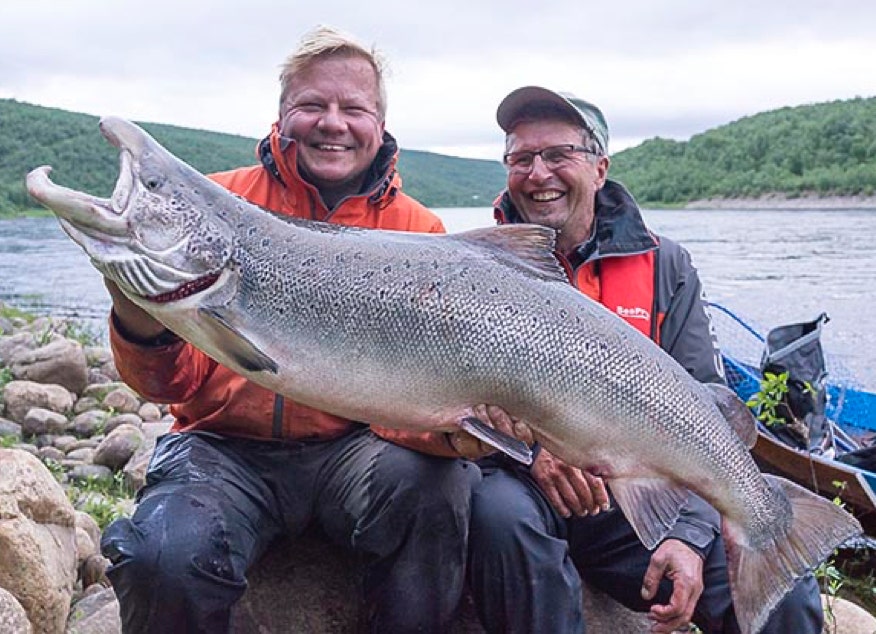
{"x":167,"y":541}
{"x":429,"y":483}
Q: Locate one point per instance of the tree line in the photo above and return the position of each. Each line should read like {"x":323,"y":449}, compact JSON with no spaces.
{"x":820,"y":149}
{"x":81,"y":159}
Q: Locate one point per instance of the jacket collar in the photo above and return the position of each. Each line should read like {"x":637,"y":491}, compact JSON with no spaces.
{"x":619,"y":228}
{"x":278,"y":155}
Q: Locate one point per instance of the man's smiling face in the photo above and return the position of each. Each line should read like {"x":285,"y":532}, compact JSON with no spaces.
{"x":331,"y":110}
{"x":561,"y":197}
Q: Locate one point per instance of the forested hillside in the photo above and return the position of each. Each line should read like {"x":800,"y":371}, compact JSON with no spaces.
{"x":80,"y":157}
{"x":822,"y":149}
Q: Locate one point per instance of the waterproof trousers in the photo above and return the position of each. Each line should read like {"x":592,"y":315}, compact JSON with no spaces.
{"x":526,"y":564}
{"x":212,"y":505}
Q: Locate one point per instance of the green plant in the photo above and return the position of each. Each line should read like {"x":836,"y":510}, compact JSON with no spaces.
{"x":9,"y":441}
{"x":104,"y":499}
{"x":767,"y":401}
{"x":44,"y":336}
{"x":11,"y":312}
{"x":770,"y":401}
{"x":55,"y":469}
{"x":5,"y":376}
{"x":80,"y":333}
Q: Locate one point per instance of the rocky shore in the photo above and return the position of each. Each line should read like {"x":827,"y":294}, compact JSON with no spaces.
{"x":74,"y":445}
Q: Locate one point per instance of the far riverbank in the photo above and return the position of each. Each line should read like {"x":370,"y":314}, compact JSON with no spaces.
{"x":781,"y":201}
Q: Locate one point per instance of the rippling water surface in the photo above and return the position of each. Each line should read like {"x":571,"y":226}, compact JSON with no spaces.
{"x":773,"y":267}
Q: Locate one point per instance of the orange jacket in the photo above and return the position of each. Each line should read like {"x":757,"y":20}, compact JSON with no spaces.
{"x":207,"y":396}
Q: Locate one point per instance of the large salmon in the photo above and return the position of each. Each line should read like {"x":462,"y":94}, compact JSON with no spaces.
{"x":410,"y":330}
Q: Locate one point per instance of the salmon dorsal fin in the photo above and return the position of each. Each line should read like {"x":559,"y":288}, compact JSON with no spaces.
{"x":532,"y":248}
{"x":735,"y":412}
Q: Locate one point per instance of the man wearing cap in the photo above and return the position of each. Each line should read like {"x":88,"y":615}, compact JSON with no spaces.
{"x":536,"y":530}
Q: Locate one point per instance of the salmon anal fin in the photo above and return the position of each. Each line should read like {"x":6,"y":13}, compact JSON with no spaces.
{"x":651,"y":505}
{"x":512,"y":447}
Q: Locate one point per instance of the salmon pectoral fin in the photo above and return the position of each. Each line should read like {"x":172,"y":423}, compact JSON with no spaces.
{"x":761,"y":575}
{"x":508,"y":445}
{"x":736,"y":412}
{"x":651,"y":505}
{"x":219,"y":324}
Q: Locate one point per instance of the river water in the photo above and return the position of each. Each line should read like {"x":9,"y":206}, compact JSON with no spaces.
{"x":770,"y":266}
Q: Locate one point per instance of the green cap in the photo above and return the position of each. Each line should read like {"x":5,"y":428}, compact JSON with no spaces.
{"x":585,"y":113}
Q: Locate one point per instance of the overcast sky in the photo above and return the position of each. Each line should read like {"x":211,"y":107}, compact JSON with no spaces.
{"x":669,"y":68}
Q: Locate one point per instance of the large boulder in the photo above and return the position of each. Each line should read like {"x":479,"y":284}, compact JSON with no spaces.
{"x":37,"y":540}
{"x":13,"y":618}
{"x":844,"y":617}
{"x":307,"y":585}
{"x":59,"y":362}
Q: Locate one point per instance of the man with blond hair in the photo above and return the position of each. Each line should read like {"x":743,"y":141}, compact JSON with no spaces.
{"x":243,"y":466}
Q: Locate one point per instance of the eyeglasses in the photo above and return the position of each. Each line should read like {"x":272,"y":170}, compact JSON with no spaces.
{"x":553,"y":157}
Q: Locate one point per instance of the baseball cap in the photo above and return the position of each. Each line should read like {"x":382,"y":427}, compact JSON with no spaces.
{"x":584,"y":112}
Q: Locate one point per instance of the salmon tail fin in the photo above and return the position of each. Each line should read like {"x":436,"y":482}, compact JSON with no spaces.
{"x":760,"y":577}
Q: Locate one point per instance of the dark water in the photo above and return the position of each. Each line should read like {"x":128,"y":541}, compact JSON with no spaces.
{"x":773,"y":267}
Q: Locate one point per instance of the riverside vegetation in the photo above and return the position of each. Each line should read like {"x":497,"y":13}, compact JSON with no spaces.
{"x":820,"y":150}
{"x":62,"y":403}
{"x":31,"y":136}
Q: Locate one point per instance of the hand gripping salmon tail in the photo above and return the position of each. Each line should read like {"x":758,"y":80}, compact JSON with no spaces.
{"x":761,"y":577}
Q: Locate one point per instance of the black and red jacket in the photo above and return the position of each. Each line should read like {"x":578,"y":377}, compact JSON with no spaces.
{"x":650,"y":282}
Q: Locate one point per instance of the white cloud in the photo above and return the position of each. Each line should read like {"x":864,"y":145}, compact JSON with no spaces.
{"x":669,"y":69}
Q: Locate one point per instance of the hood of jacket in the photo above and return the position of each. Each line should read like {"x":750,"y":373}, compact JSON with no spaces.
{"x":278,"y":155}
{"x":618,"y":227}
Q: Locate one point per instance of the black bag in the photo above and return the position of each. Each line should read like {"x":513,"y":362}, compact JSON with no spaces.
{"x":796,"y":349}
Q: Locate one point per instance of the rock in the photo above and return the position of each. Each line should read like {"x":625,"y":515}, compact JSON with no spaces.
{"x":60,"y":362}
{"x":51,"y":453}
{"x":21,"y":396}
{"x":100,"y":390}
{"x":135,"y":469}
{"x":88,"y":524}
{"x":82,"y":455}
{"x":122,"y":400}
{"x":43,"y":421}
{"x":96,"y":613}
{"x":306,"y":585}
{"x":65,"y":443}
{"x":14,"y":344}
{"x":13,"y":618}
{"x":37,"y":540}
{"x":8,"y":428}
{"x":83,"y":472}
{"x":93,"y":571}
{"x":82,"y":443}
{"x":85,"y":547}
{"x":119,"y":445}
{"x":87,"y":538}
{"x":844,"y":617}
{"x":85,"y":404}
{"x":149,"y":412}
{"x":6,"y":326}
{"x":89,"y":423}
{"x":122,"y":419}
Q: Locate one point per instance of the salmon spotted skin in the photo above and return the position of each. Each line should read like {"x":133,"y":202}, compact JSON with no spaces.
{"x":411,"y":331}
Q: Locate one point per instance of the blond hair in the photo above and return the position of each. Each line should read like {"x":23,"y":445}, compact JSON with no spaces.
{"x":323,"y":42}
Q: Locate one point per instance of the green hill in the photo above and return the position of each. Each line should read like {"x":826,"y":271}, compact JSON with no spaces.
{"x":80,"y":157}
{"x":826,"y":149}
{"x":822,"y":149}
